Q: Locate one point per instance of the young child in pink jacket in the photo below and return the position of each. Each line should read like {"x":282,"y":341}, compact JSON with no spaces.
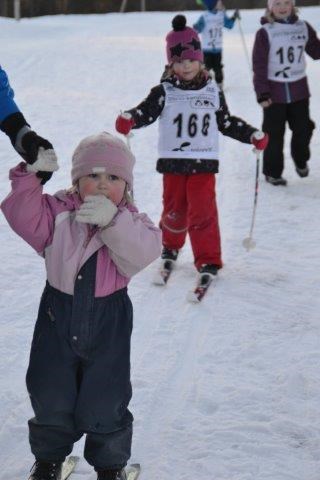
{"x":93,"y":241}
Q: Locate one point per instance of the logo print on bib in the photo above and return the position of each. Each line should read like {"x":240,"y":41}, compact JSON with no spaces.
{"x":182,"y":146}
{"x":298,"y":37}
{"x":283,"y":73}
{"x":201,"y":103}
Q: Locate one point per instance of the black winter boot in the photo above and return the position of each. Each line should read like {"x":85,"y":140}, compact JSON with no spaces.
{"x":168,"y":254}
{"x":46,"y":471}
{"x":302,"y":172}
{"x":276,"y":181}
{"x":112,"y":474}
{"x":211,"y":269}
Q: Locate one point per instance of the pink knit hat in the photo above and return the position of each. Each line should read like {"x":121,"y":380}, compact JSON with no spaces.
{"x":271,"y":3}
{"x":103,"y":153}
{"x":183,"y":42}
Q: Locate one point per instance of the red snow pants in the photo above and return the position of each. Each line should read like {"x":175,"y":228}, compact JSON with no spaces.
{"x":189,"y":206}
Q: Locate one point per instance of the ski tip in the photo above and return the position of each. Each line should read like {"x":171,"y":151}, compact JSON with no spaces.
{"x":68,"y":467}
{"x":133,"y":471}
{"x":192,"y":297}
{"x":158,"y":280}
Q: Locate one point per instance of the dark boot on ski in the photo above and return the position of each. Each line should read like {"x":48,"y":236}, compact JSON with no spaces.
{"x":112,"y":474}
{"x":302,"y":172}
{"x":276,"y":181}
{"x":168,"y":258}
{"x":207,"y":273}
{"x":46,"y":471}
{"x":168,"y":254}
{"x":210,"y":269}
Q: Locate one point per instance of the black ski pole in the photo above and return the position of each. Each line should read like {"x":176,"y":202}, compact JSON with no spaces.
{"x":248,"y":242}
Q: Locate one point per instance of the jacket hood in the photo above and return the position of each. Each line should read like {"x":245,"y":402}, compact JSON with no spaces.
{"x":268,"y":19}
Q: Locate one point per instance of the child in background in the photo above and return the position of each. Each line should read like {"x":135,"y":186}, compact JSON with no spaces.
{"x":93,"y":240}
{"x":281,"y":86}
{"x":25,"y":141}
{"x":210,"y":25}
{"x":191,"y":111}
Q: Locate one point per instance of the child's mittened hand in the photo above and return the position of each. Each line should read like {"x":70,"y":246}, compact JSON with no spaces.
{"x":46,"y":161}
{"x":124,"y":123}
{"x":96,"y":210}
{"x":260,"y":140}
{"x":265,"y":103}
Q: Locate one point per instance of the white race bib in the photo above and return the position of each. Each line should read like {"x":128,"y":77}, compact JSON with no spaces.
{"x":286,"y":56}
{"x":187,"y":124}
{"x":211,"y":35}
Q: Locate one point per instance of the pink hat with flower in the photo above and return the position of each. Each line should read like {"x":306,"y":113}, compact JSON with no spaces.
{"x":103,"y":153}
{"x":183,"y":42}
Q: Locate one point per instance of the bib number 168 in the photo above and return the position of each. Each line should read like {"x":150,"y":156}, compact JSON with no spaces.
{"x":193,"y":124}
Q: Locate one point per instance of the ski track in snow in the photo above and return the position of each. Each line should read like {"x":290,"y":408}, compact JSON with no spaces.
{"x":228,"y":389}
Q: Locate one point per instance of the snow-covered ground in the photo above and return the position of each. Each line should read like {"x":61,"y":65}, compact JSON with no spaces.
{"x":225,"y":390}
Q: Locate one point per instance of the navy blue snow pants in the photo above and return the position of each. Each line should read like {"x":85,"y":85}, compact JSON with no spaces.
{"x":275,"y":118}
{"x":79,"y":374}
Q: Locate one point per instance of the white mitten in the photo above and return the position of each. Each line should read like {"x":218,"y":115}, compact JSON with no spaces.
{"x":46,"y":161}
{"x":96,"y":210}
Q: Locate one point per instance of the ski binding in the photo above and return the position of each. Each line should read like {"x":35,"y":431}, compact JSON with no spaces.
{"x":162,"y":275}
{"x":203,"y":283}
{"x":132,"y":471}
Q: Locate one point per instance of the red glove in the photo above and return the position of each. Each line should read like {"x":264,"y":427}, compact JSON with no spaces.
{"x":260,"y":140}
{"x":124,"y":123}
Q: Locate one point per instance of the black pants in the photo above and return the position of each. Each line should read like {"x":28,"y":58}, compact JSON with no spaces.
{"x":274,"y":123}
{"x":213,"y":61}
{"x":79,"y":377}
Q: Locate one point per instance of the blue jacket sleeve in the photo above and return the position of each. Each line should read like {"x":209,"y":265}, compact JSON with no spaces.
{"x":228,"y":21}
{"x":7,"y":104}
{"x":199,"y":25}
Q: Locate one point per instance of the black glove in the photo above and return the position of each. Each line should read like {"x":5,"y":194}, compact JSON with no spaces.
{"x":236,"y":15}
{"x":264,"y":99}
{"x":45,"y":176}
{"x":28,"y":145}
{"x":12,"y":124}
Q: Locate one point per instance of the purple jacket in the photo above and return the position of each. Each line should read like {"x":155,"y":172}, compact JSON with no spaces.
{"x":279,"y":92}
{"x":47,"y":223}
